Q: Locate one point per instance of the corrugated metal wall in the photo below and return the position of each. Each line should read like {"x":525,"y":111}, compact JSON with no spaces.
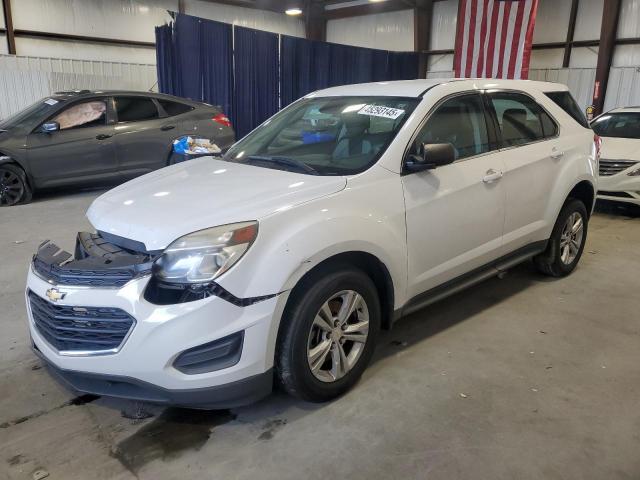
{"x":579,"y":80}
{"x":23,"y":80}
{"x":386,"y":31}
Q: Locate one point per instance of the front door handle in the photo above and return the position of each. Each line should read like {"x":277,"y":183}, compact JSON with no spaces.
{"x":103,"y":136}
{"x":492,"y":176}
{"x":556,"y":154}
{"x":164,"y":128}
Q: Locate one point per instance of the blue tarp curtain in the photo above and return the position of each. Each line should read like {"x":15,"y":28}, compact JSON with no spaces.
{"x":256,"y":78}
{"x":307,"y":65}
{"x":196,"y":59}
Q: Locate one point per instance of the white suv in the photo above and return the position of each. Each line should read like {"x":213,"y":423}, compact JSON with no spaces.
{"x":283,"y":258}
{"x":620,"y":163}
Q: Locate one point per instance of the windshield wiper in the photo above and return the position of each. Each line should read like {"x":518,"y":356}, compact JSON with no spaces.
{"x":285,"y":161}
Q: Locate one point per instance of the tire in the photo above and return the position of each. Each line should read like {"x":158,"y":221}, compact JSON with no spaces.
{"x":303,"y":334}
{"x":565,"y":248}
{"x":14,"y":188}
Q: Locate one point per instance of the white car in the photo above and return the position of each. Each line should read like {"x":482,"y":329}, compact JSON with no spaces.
{"x":620,"y":163}
{"x":283,"y":258}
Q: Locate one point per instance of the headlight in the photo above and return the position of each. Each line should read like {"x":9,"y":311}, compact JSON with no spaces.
{"x":204,"y":255}
{"x":634,"y":173}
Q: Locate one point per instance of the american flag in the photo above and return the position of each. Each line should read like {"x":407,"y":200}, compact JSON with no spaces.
{"x":493,"y":38}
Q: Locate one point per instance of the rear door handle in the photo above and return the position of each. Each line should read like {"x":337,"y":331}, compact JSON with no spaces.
{"x":103,"y":136}
{"x":556,"y":154}
{"x":492,"y":176}
{"x":164,"y":128}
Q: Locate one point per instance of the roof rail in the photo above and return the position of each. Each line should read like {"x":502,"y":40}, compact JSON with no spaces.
{"x":72,"y":92}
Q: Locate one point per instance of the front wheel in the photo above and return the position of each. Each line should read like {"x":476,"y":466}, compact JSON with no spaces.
{"x":14,"y":188}
{"x":567,"y":241}
{"x":328,"y":335}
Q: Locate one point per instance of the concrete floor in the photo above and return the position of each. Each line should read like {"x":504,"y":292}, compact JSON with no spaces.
{"x":523,"y":377}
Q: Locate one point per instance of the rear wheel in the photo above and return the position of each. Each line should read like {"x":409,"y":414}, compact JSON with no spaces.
{"x":567,"y":241}
{"x":328,"y":335}
{"x":14,"y":188}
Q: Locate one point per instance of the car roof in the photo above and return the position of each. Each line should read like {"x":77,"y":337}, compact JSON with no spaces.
{"x":72,"y":94}
{"x":416,"y":88}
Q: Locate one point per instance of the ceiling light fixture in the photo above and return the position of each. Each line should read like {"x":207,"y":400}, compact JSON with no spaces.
{"x":293,"y":11}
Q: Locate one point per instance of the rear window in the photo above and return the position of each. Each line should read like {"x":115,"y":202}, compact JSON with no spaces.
{"x":174,"y":108}
{"x":134,"y":109}
{"x":566,"y":102}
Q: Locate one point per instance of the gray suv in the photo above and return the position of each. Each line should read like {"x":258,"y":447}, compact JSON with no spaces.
{"x":88,"y":138}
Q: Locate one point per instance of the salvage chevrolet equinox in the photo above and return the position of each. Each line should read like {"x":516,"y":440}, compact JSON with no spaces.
{"x":282,"y":259}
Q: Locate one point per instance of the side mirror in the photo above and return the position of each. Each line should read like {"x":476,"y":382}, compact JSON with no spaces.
{"x":434,"y":155}
{"x":50,"y":127}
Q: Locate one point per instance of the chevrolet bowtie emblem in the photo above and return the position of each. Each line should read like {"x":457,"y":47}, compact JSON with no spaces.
{"x":54,"y":294}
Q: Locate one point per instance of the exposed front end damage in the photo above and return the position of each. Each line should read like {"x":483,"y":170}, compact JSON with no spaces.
{"x":96,"y":262}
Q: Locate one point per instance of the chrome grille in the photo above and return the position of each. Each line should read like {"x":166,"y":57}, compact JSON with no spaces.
{"x":611,"y":167}
{"x":79,"y":329}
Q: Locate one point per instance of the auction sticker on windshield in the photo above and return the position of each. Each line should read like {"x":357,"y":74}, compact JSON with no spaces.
{"x":381,"y":111}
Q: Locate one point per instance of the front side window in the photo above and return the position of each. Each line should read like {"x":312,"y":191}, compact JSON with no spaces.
{"x":621,"y":125}
{"x":459,"y":121}
{"x":135,"y":109}
{"x":83,"y":115}
{"x":325,"y":136}
{"x":521,"y":119}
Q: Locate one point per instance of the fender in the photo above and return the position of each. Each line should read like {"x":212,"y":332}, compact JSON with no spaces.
{"x":363,"y":217}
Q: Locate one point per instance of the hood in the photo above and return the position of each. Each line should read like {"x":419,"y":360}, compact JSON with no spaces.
{"x":159,"y":207}
{"x":620,"y":148}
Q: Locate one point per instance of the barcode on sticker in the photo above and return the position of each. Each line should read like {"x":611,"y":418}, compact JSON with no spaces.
{"x":381,"y":111}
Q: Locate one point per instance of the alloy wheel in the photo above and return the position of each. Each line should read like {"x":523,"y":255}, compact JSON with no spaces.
{"x":338,"y":336}
{"x":11,"y":187}
{"x":571,"y":238}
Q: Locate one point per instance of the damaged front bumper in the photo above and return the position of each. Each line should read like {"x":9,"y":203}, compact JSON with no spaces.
{"x":90,"y":320}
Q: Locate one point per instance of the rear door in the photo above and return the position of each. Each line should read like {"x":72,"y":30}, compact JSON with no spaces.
{"x":82,"y":150}
{"x":454,"y":213}
{"x":142,"y":137}
{"x":532,"y":152}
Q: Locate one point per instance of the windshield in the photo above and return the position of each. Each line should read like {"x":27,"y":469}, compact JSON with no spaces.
{"x":30,"y":115}
{"x":325,"y":136}
{"x":621,"y":125}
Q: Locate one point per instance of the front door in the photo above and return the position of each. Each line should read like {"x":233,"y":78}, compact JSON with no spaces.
{"x":81,"y":150}
{"x":455,"y":213}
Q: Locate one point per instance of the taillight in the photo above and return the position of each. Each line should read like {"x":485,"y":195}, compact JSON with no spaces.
{"x":222,"y":119}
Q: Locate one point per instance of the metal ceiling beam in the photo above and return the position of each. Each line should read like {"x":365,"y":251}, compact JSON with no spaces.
{"x":8,"y":21}
{"x":570,"y":31}
{"x":422,"y":16}
{"x":315,"y":21}
{"x":608,"y":31}
{"x":368,"y":9}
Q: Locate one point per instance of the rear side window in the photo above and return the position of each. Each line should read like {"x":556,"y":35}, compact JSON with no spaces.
{"x":566,"y":102}
{"x":174,"y":108}
{"x":134,"y":109}
{"x":521,"y":119}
